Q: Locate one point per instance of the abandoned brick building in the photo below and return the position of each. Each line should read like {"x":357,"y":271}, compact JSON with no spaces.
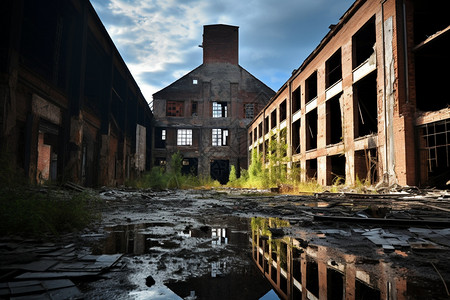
{"x":204,"y":114}
{"x":69,"y":107}
{"x":370,"y":102}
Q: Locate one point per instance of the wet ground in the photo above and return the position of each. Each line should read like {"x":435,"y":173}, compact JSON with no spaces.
{"x":244,"y":244}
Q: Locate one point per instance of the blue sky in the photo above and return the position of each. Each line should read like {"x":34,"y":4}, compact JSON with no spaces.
{"x":158,"y":39}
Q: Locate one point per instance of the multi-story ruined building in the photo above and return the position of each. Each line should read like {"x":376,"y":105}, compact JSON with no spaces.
{"x":204,"y":114}
{"x":69,"y":107}
{"x":370,"y":102}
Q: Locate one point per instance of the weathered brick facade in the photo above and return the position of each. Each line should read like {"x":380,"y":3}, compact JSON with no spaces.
{"x":69,"y":107}
{"x":364,"y":102}
{"x":204,"y":114}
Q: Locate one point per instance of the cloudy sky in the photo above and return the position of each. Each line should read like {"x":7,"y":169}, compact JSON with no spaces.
{"x":158,"y":39}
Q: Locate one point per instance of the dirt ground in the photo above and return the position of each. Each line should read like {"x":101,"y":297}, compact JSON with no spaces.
{"x":197,"y":244}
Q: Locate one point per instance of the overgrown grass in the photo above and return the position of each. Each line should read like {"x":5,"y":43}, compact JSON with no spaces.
{"x":172,"y":178}
{"x":33,"y":212}
{"x":28,"y":210}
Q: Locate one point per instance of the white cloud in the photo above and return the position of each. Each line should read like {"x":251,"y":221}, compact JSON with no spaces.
{"x":159,"y":39}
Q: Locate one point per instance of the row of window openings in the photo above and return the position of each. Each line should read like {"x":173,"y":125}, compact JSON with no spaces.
{"x":184,"y":137}
{"x":219,"y":109}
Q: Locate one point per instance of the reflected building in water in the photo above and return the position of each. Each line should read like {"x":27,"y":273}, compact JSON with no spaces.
{"x":298,"y":270}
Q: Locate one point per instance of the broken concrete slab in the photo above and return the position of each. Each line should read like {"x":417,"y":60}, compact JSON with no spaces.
{"x":40,"y":289}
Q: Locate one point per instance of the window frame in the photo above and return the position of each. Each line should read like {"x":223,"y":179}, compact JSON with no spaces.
{"x":184,"y":137}
{"x":219,"y":109}
{"x":219,"y":137}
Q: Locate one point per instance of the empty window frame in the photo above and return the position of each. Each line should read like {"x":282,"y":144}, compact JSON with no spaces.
{"x":336,"y":286}
{"x":431,"y":59}
{"x":296,"y":104}
{"x":334,"y":120}
{"x":333,"y":68}
{"x":249,"y":110}
{"x":311,"y":87}
{"x":184,"y":137}
{"x":283,"y":111}
{"x":174,"y":109}
{"x":366,"y":163}
{"x":363,"y":43}
{"x":335,"y":169}
{"x":434,"y":141}
{"x":260,"y":129}
{"x":194,"y":107}
{"x":429,"y":19}
{"x":250,"y":137}
{"x":311,"y":169}
{"x":311,"y":130}
{"x":296,"y":137}
{"x":220,"y":110}
{"x":365,"y":106}
{"x":160,"y":138}
{"x":266,"y":125}
{"x":219,"y":137}
{"x":273,"y":119}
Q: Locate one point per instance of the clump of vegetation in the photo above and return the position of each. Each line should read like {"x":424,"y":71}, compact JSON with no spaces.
{"x":33,"y":212}
{"x":272,"y":173}
{"x":27,"y":210}
{"x":172,"y":177}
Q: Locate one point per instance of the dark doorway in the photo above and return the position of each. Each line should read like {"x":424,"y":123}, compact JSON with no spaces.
{"x":190,"y":166}
{"x":220,"y":170}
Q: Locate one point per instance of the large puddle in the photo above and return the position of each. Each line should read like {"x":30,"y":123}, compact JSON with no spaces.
{"x":242,"y":258}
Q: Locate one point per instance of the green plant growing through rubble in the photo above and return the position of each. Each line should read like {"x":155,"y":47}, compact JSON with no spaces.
{"x":172,"y":177}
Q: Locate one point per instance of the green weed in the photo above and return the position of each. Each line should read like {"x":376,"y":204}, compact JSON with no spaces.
{"x":33,"y":212}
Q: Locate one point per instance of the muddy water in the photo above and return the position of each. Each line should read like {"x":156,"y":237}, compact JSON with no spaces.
{"x":208,"y":260}
{"x":189,"y":246}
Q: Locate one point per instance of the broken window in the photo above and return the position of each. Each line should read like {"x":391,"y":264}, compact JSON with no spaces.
{"x":184,"y":137}
{"x":333,"y":119}
{"x":364,"y":291}
{"x":283,"y":111}
{"x":219,"y":137}
{"x":273,"y":119}
{"x":255,"y":134}
{"x":296,"y":137}
{"x":335,"y":284}
{"x":296,"y":104}
{"x":194,"y":108}
{"x":174,"y":108}
{"x":161,"y":162}
{"x":435,"y":152}
{"x":249,"y":110}
{"x":220,"y":110}
{"x":312,"y":276}
{"x":365,"y":106}
{"x":366,"y":166}
{"x":311,"y":168}
{"x":250,"y":137}
{"x":363,"y":43}
{"x":160,"y":138}
{"x":430,"y":52}
{"x":333,"y":69}
{"x":311,"y":130}
{"x":266,"y":125}
{"x":311,"y":87}
{"x":260,"y":129}
{"x":335,"y":169}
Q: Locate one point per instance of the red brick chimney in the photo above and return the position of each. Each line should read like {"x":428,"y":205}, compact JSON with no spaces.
{"x":220,"y":44}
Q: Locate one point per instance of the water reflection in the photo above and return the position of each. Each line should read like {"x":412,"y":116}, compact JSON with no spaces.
{"x":298,"y":270}
{"x":193,"y":260}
